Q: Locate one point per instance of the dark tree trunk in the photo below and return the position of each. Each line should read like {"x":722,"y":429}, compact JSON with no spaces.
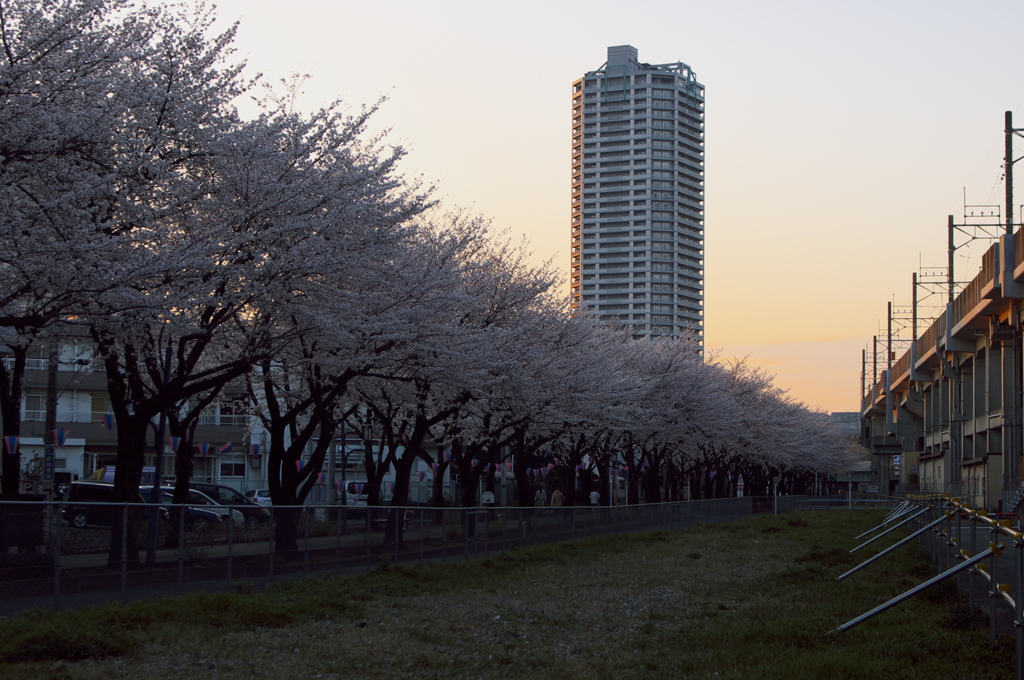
{"x":131,"y":446}
{"x":11,"y":382}
{"x":521,"y":468}
{"x":652,"y":484}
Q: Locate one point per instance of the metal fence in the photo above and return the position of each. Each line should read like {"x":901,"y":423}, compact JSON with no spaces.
{"x":985,"y":556}
{"x":48,"y":561}
{"x":855,"y":501}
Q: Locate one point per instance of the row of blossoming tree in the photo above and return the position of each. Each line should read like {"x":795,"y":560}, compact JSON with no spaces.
{"x":197,"y":248}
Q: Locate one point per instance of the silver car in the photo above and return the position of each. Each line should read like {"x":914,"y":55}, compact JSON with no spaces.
{"x":261,"y":496}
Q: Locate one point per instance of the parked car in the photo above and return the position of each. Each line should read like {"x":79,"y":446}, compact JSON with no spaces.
{"x":196,"y":518}
{"x":259,"y":496}
{"x":355,"y":498}
{"x":91,"y":503}
{"x":200,"y":501}
{"x":254,"y":513}
{"x":356,"y":494}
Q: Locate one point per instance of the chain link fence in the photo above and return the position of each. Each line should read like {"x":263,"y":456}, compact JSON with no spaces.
{"x":59,"y":555}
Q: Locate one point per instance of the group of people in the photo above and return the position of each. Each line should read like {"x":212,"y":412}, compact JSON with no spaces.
{"x":540,"y":499}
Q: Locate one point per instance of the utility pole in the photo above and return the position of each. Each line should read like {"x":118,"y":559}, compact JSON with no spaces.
{"x":874,"y":360}
{"x":888,"y":344}
{"x":951,"y":292}
{"x":1008,"y":169}
{"x":1012,"y":353}
{"x":913,"y":322}
{"x":863,"y":374}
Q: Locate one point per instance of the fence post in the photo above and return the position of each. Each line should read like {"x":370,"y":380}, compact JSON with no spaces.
{"x":399,"y":518}
{"x":124,"y":554}
{"x":337,"y":542}
{"x":181,"y":550}
{"x":270,"y":544}
{"x":960,"y":547}
{"x":970,"y":586}
{"x":58,"y":530}
{"x":305,"y":539}
{"x":1018,"y":597}
{"x":231,"y":539}
{"x":993,"y":591}
{"x":369,"y":527}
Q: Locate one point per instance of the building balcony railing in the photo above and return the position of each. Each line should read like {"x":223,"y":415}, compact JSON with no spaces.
{"x":30,"y":364}
{"x":224,"y":420}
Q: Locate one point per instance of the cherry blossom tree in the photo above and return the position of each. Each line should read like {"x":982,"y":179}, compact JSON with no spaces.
{"x":82,"y":127}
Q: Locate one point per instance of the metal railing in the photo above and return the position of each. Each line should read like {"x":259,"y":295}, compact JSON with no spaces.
{"x":964,"y":543}
{"x":855,"y":501}
{"x":51,"y":558}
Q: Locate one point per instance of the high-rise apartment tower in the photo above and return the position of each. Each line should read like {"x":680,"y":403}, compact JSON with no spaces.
{"x":638,"y":194}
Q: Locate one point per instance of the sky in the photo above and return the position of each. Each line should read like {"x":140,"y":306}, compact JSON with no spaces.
{"x":839,"y":136}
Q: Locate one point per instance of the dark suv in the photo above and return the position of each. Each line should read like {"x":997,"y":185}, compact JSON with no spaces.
{"x":91,"y":503}
{"x":254,"y":513}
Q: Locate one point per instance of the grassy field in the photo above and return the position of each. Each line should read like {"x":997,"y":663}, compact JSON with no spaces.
{"x":754,"y":599}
